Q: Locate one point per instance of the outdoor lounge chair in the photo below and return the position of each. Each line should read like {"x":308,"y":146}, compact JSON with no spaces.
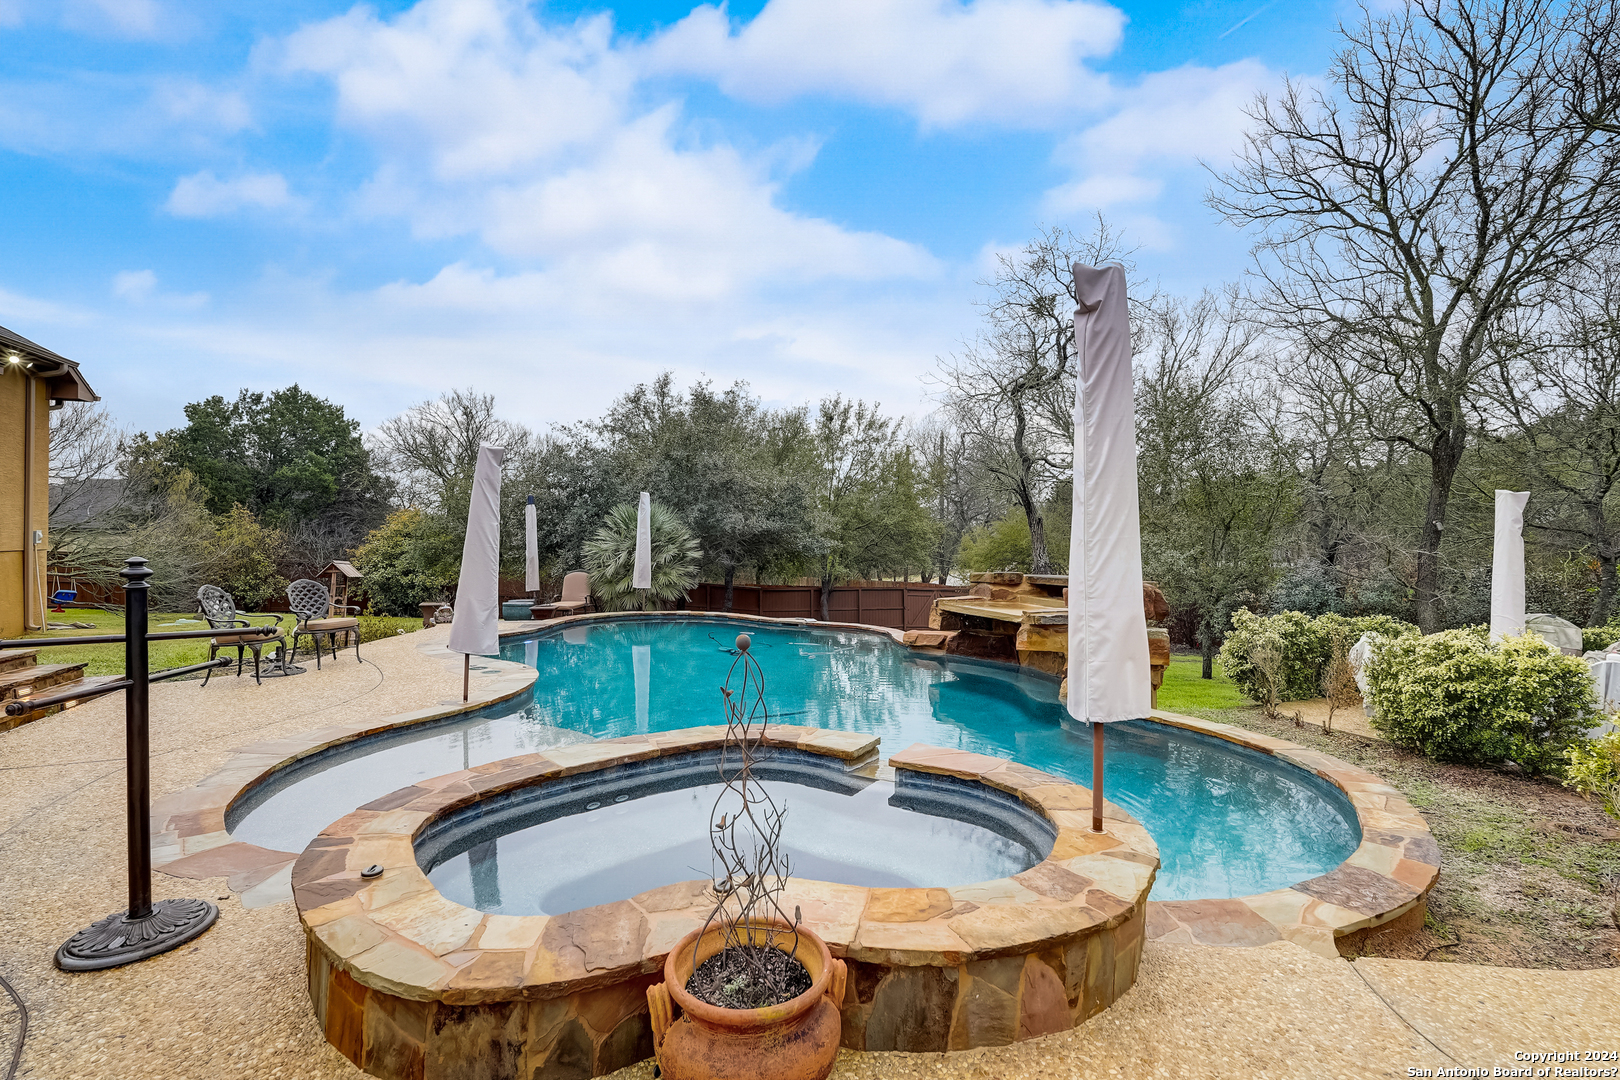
{"x":219,"y":608}
{"x":576,"y":595}
{"x":312,"y":606}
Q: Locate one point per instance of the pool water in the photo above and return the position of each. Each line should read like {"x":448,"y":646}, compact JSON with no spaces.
{"x":1229,"y":821}
{"x":625,"y":848}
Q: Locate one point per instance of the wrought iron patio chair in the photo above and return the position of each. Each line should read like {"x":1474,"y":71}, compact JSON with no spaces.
{"x":219,"y":608}
{"x":312,"y":606}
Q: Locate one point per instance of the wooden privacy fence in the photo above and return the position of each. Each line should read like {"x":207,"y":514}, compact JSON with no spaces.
{"x":902,"y":605}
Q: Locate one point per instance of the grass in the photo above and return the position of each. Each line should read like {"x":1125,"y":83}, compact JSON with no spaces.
{"x":109,"y":659}
{"x":1185,"y":689}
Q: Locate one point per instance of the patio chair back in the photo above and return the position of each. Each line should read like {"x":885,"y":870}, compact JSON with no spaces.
{"x":217,"y":606}
{"x":576,"y":587}
{"x":309,"y":600}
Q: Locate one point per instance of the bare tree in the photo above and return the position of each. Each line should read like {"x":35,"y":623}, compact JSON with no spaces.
{"x":1558,"y":393}
{"x":1444,"y":181}
{"x":1591,"y":77}
{"x":1011,"y":392}
{"x":432,"y":448}
{"x":87,"y":450}
{"x":1216,"y":483}
{"x":954,"y":489}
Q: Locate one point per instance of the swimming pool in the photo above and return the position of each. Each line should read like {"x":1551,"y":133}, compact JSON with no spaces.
{"x":1229,"y":821}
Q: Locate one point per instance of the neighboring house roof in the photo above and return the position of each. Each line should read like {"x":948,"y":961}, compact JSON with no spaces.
{"x":65,"y":383}
{"x":85,"y":500}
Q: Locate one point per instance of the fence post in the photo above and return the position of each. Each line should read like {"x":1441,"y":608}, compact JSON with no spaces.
{"x":143,"y":929}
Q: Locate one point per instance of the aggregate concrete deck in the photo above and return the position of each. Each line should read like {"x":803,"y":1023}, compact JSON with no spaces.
{"x":233,"y":1003}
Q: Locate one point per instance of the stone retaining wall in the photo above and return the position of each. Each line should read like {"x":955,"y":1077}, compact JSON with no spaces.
{"x":409,"y":984}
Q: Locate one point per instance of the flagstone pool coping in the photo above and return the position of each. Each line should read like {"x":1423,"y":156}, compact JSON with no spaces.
{"x":1386,"y":878}
{"x":400,"y":975}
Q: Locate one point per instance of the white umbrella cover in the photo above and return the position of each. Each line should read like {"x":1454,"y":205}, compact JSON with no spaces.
{"x":1507,"y":566}
{"x":531,"y":551}
{"x":641,"y":577}
{"x":474,"y":630}
{"x":1109,"y":676}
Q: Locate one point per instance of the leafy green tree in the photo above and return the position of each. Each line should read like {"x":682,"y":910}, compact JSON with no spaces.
{"x":244,"y":555}
{"x":610,"y":557}
{"x":408,"y":560}
{"x":1001,"y":545}
{"x":869,"y":510}
{"x":291,"y":458}
{"x":723,"y":459}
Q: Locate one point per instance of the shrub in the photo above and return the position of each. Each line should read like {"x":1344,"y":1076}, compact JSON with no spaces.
{"x":377,"y":627}
{"x":1594,"y":769}
{"x":405,"y":563}
{"x":610,"y":557}
{"x":1306,"y":645}
{"x":1454,"y":696}
{"x":1001,"y":545}
{"x":243,"y":557}
{"x":1598,"y":638}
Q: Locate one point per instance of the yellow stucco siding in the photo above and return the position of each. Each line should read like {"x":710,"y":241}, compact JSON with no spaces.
{"x":15,"y":596}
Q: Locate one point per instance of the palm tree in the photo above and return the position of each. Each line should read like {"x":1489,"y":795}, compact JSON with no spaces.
{"x":610,"y":556}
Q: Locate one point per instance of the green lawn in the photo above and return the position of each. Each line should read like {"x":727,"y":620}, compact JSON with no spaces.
{"x":109,"y":659}
{"x":1185,"y":690}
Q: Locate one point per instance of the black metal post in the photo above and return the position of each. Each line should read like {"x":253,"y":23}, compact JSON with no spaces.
{"x":137,"y":739}
{"x":1096,"y":777}
{"x":143,"y":929}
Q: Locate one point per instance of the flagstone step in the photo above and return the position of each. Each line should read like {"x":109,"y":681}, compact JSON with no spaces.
{"x":17,"y":659}
{"x":85,"y":686}
{"x":26,"y":682}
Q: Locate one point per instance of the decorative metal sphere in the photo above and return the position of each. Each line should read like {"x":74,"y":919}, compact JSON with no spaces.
{"x":742,"y":642}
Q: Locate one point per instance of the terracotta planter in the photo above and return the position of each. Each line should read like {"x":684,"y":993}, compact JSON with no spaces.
{"x":796,"y":1040}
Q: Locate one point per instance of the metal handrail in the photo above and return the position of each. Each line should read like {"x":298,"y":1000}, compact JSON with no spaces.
{"x":29,"y":704}
{"x":120,"y":639}
{"x":146,"y":927}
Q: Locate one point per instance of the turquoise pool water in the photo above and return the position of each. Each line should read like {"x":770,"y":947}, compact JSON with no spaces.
{"x":1229,"y":821}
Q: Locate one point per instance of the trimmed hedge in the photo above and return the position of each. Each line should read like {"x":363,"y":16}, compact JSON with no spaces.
{"x":1598,"y":638}
{"x":1304,"y":642}
{"x":1453,"y":696}
{"x":1594,"y":769}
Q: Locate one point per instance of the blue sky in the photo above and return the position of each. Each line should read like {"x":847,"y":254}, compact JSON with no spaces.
{"x":554,"y":201}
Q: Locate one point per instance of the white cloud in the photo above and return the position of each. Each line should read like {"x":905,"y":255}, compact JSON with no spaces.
{"x":77,"y":113}
{"x":1100,"y":191}
{"x":476,"y":88}
{"x":116,"y":18}
{"x":1010,"y":61}
{"x":531,"y":137}
{"x":202,"y":194}
{"x":1171,"y":119}
{"x":134,"y":285}
{"x":195,"y":104}
{"x":140,"y":288}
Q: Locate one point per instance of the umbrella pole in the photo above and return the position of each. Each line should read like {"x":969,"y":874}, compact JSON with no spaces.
{"x":1096,"y":777}
{"x":466,"y":674}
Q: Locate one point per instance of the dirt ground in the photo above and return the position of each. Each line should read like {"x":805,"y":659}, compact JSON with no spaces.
{"x":1530,"y":871}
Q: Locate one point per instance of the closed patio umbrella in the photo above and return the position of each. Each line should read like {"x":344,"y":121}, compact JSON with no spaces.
{"x":1507,"y":566}
{"x":641,"y":576}
{"x":478,"y":605}
{"x":1109,"y":677}
{"x":531,"y":553}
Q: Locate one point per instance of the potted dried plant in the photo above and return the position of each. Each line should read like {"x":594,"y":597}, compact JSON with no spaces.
{"x":757,"y":991}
